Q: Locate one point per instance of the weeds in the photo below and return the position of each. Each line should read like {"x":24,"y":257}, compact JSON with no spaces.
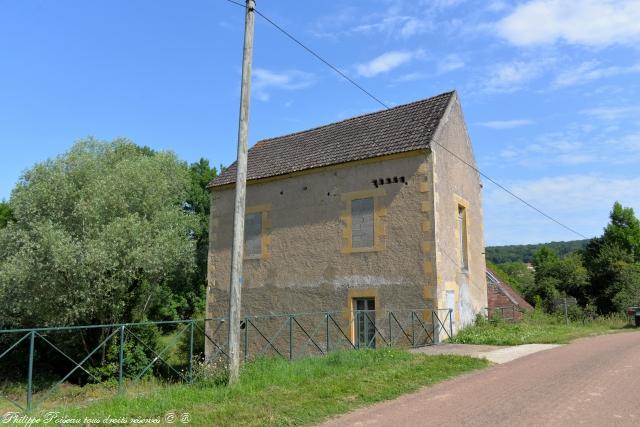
{"x":536,"y":327}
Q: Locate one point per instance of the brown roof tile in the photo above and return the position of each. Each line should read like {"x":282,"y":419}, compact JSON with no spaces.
{"x":507,"y":290}
{"x":395,"y":130}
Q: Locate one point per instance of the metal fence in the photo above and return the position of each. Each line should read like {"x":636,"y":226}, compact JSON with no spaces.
{"x":509,"y":313}
{"x":126,"y":353}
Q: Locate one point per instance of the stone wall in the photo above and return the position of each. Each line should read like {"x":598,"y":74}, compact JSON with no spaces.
{"x":307,"y":263}
{"x":457,"y":184}
{"x":499,"y":304}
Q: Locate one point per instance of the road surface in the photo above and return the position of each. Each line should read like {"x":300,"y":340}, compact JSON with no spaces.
{"x":591,"y":382}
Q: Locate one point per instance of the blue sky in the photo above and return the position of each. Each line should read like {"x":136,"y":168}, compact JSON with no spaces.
{"x":550,"y":89}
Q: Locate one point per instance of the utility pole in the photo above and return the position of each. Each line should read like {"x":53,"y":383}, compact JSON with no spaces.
{"x":237,"y":254}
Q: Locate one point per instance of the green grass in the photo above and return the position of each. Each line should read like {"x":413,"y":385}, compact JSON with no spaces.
{"x":278,"y":392}
{"x":536,"y":328}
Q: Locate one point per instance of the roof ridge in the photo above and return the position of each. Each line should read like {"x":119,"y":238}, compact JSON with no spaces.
{"x":451,"y":92}
{"x":349,"y":140}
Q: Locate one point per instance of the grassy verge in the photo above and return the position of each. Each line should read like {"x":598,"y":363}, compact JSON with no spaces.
{"x":278,"y":392}
{"x":535,"y":328}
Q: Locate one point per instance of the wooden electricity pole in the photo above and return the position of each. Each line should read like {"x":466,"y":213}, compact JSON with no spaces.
{"x":237,"y":255}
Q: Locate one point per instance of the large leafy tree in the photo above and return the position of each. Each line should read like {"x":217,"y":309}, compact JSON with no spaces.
{"x":521,"y":275}
{"x":99,"y":234}
{"x":613,"y":262}
{"x":5,"y":214}
{"x":557,"y":276}
{"x":201,"y":174}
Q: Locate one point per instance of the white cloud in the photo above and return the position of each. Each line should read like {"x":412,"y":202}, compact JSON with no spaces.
{"x":583,"y":22}
{"x":397,"y":26}
{"x":385,"y":63}
{"x":577,"y":145}
{"x":506,"y":124}
{"x":511,"y":76}
{"x":264,"y":81}
{"x":613,"y":113}
{"x":580,"y":201}
{"x":497,"y":6}
{"x":449,"y":63}
{"x":589,"y":71}
{"x":393,"y":19}
{"x":411,"y":77}
{"x":412,"y":27}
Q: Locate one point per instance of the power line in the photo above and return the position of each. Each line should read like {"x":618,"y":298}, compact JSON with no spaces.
{"x":324,"y":61}
{"x":312,"y":52}
{"x":376,"y":99}
{"x":237,"y":3}
{"x":502,"y":187}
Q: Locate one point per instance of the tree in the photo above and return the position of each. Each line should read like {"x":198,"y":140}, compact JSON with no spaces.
{"x":612,"y":261}
{"x":194,"y":285}
{"x":98,"y":235}
{"x":521,"y":276}
{"x":556,"y":277}
{"x":5,"y":214}
{"x":624,"y":231}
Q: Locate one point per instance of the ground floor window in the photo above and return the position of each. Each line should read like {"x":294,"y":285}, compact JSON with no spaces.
{"x":365,"y":320}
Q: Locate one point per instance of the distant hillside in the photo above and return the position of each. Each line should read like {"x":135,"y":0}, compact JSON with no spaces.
{"x":524,"y":253}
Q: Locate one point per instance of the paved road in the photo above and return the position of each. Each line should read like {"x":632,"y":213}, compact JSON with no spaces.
{"x":591,"y":382}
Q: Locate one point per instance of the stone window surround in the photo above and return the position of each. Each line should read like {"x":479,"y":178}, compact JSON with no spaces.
{"x":265,"y":238}
{"x":353,"y":294}
{"x":464,"y":204}
{"x":378,"y":226}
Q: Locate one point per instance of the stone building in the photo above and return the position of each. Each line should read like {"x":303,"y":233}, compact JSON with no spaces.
{"x":377,"y":212}
{"x":502,"y":300}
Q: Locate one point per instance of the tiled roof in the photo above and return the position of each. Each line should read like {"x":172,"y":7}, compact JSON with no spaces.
{"x":395,"y":130}
{"x":507,"y":290}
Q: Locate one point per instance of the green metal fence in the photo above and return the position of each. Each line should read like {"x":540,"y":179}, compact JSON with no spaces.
{"x":128,"y":352}
{"x":509,"y":313}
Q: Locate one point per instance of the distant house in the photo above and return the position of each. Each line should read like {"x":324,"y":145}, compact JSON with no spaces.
{"x":503,"y":300}
{"x":368,"y":213}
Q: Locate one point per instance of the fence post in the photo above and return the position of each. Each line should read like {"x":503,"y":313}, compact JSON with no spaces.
{"x":246,"y":339}
{"x":32,"y":340}
{"x":413,"y":331}
{"x":356,"y":328}
{"x":191,"y":328}
{"x":390,"y":335}
{"x":327,"y":318}
{"x":434,"y":315}
{"x":121,"y":360}
{"x":290,"y":337}
{"x":450,"y":323}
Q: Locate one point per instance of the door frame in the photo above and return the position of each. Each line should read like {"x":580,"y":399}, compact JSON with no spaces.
{"x":352,"y":295}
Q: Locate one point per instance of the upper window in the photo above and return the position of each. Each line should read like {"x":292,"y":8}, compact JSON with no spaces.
{"x":362,"y":223}
{"x":253,"y":234}
{"x":362,"y":220}
{"x":462,"y":232}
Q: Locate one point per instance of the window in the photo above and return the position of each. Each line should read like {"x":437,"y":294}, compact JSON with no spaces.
{"x":362,"y":223}
{"x":365,"y":322}
{"x":462,"y":232}
{"x":253,"y":235}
